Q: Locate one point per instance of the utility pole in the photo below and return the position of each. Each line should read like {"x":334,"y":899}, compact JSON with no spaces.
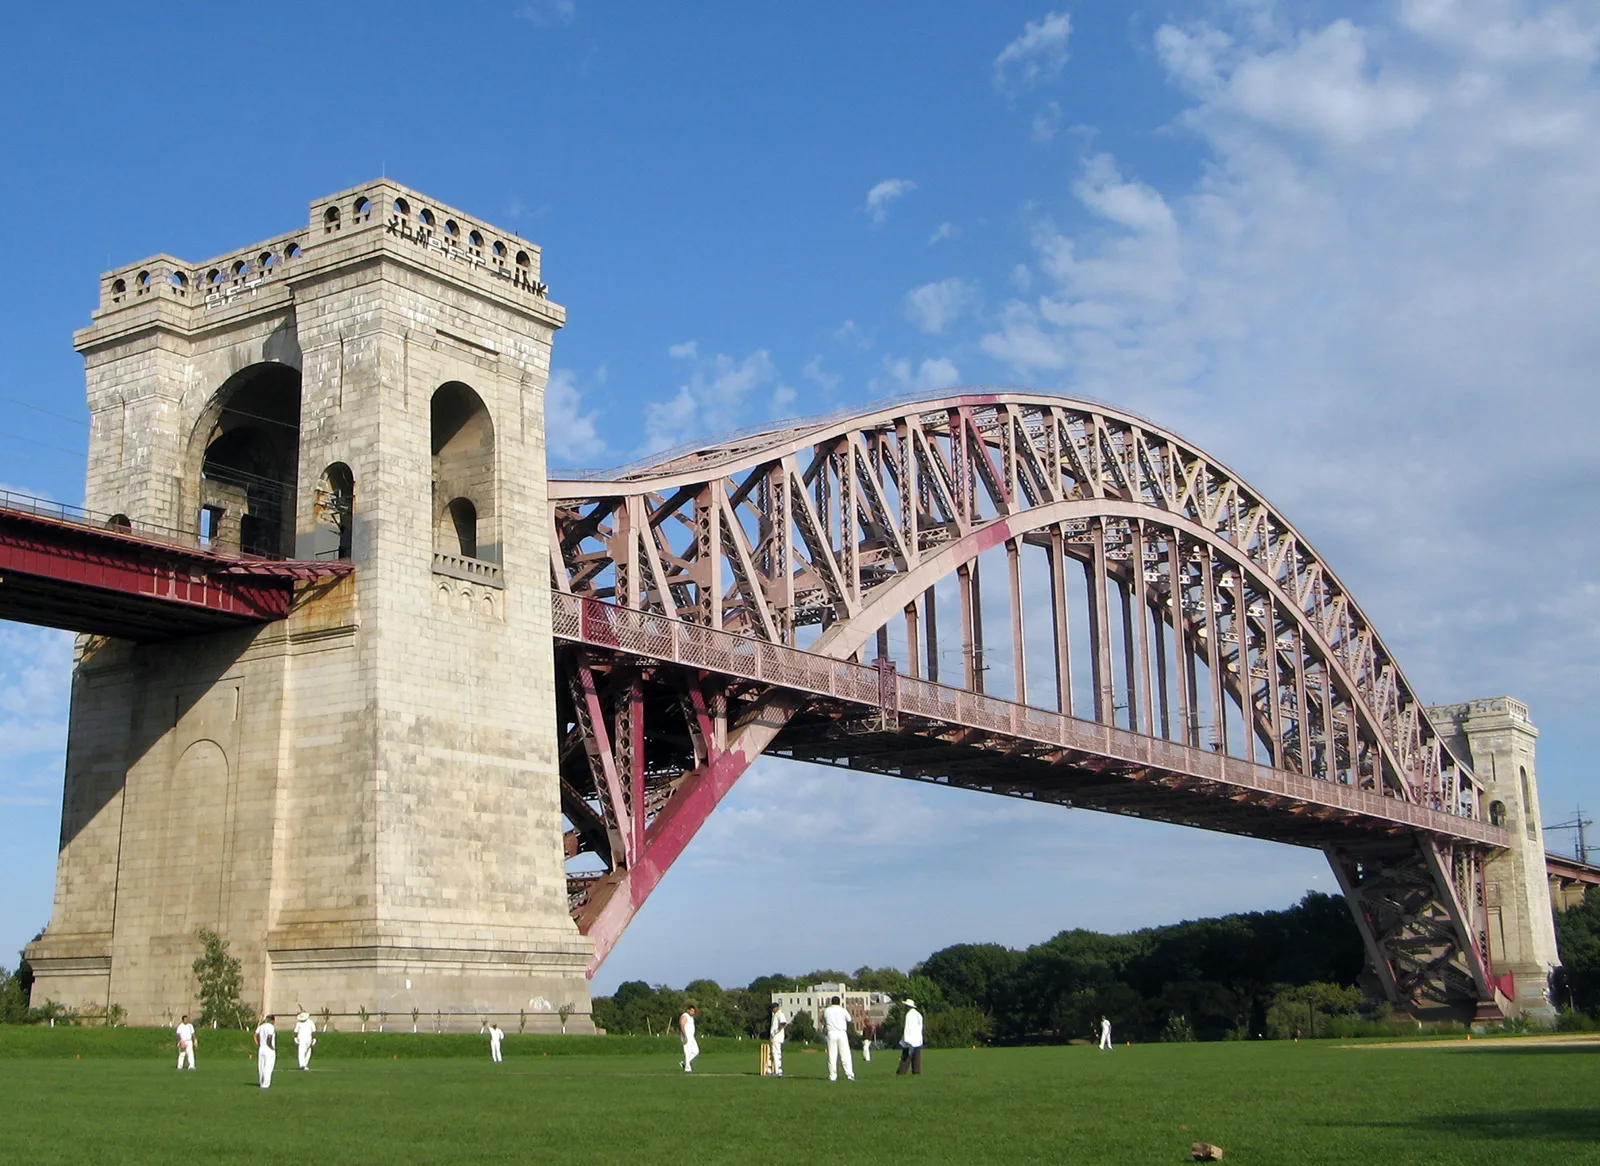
{"x":1578,"y":824}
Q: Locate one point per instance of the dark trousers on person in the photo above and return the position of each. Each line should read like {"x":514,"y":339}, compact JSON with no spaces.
{"x":910,"y":1059}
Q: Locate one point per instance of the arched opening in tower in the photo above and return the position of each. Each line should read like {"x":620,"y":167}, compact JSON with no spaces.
{"x":464,"y":519}
{"x":251,"y":463}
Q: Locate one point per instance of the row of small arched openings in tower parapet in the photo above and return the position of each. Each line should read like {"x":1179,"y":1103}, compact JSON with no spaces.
{"x":469,"y":238}
{"x":178,"y":282}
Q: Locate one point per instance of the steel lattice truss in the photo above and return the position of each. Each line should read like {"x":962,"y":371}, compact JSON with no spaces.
{"x":1171,"y":648}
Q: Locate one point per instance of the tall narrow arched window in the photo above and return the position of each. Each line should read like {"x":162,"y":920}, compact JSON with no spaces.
{"x":335,"y":513}
{"x":1527,"y":802}
{"x":464,"y":518}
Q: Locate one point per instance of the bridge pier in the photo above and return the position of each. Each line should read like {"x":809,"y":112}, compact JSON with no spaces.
{"x":1497,"y":738}
{"x":362,"y":797}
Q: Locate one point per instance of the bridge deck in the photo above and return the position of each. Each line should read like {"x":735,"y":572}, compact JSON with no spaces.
{"x":62,"y":568}
{"x":952,"y":735}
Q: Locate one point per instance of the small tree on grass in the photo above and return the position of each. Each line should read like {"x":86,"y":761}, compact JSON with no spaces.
{"x":565,"y":1011}
{"x":415,"y":1012}
{"x":327,"y":1017}
{"x":362,"y":1012}
{"x":220,"y":981}
{"x":522,"y":1020}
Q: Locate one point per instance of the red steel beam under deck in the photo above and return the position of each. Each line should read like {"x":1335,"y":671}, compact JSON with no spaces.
{"x":56,"y":572}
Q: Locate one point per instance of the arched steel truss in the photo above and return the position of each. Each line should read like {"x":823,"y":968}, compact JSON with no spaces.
{"x":1234,"y":681}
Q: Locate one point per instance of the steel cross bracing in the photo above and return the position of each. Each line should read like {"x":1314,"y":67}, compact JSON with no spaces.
{"x":1169,"y":647}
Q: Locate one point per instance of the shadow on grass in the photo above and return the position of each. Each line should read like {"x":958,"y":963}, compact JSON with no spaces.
{"x":1533,"y":1125}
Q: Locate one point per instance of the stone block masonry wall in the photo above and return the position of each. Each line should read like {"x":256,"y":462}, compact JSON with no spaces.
{"x":363,"y":797}
{"x":1497,"y":736}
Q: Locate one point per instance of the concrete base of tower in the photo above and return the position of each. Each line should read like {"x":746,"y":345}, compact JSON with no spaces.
{"x":72,"y":970}
{"x":1531,"y":991}
{"x":450,"y":989}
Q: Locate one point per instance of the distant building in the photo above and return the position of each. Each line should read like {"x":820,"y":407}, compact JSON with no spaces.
{"x":865,"y":1008}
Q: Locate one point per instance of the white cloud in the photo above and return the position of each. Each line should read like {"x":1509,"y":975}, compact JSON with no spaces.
{"x":572,"y":436}
{"x":933,"y":307}
{"x":1047,"y":123}
{"x":685,"y":351}
{"x":1376,"y":302}
{"x":813,"y":371}
{"x":1038,"y":54}
{"x":943,"y":231}
{"x":717,"y":397}
{"x":884,"y":193}
{"x":932,"y":374}
{"x":546,"y":13}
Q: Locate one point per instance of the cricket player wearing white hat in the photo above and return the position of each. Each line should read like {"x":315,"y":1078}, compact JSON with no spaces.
{"x":305,"y":1035}
{"x":911,"y":1042}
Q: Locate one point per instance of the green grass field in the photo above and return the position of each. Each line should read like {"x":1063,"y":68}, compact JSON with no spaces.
{"x":95,"y":1096}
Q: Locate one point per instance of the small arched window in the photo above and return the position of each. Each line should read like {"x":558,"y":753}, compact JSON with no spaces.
{"x":120,"y":523}
{"x":363,"y":207}
{"x":402,"y":207}
{"x":335,"y":513}
{"x":523,"y":260}
{"x":464,"y":525}
{"x":425,"y":217}
{"x":330,"y":220}
{"x":1497,"y":813}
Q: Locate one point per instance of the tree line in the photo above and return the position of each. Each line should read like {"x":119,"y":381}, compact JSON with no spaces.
{"x":1264,"y":973}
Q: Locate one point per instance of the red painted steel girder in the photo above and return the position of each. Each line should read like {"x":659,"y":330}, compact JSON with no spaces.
{"x":58,"y":573}
{"x":1232,"y":680}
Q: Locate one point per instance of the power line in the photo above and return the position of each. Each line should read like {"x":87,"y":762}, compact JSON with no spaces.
{"x":295,"y":425}
{"x":46,"y":412}
{"x":43,"y":444}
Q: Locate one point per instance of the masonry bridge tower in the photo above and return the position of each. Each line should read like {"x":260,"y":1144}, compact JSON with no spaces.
{"x":362,"y":797}
{"x":416,"y":726}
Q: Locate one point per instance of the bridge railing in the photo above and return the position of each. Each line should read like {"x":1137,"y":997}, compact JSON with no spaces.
{"x":116,"y":524}
{"x":659,"y":637}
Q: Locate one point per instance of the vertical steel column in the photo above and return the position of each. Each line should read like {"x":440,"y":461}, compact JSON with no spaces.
{"x":1019,"y":653}
{"x":1060,"y":625}
{"x":1219,"y":712}
{"x":913,"y":642}
{"x":977,"y":662}
{"x":931,"y":606}
{"x":1182,"y":654}
{"x":1105,"y":696}
{"x":1141,"y":616}
{"x":1302,"y":725}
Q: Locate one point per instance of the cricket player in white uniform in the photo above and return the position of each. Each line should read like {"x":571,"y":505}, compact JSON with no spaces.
{"x":1105,"y":1034}
{"x":911,"y":1042}
{"x":777,"y":1035}
{"x":305,"y":1035}
{"x":691,"y":1048}
{"x":837,"y":1023}
{"x":496,"y":1035}
{"x":266,"y":1038}
{"x":185,"y":1034}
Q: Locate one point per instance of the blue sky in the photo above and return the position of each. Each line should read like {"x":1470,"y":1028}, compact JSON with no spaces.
{"x":1352,"y":250}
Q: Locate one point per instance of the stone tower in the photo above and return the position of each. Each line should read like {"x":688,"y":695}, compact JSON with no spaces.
{"x":361,"y":798}
{"x":1497,"y":738}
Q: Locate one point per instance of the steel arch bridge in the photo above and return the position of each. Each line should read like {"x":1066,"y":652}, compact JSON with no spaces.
{"x":1127,"y":626}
